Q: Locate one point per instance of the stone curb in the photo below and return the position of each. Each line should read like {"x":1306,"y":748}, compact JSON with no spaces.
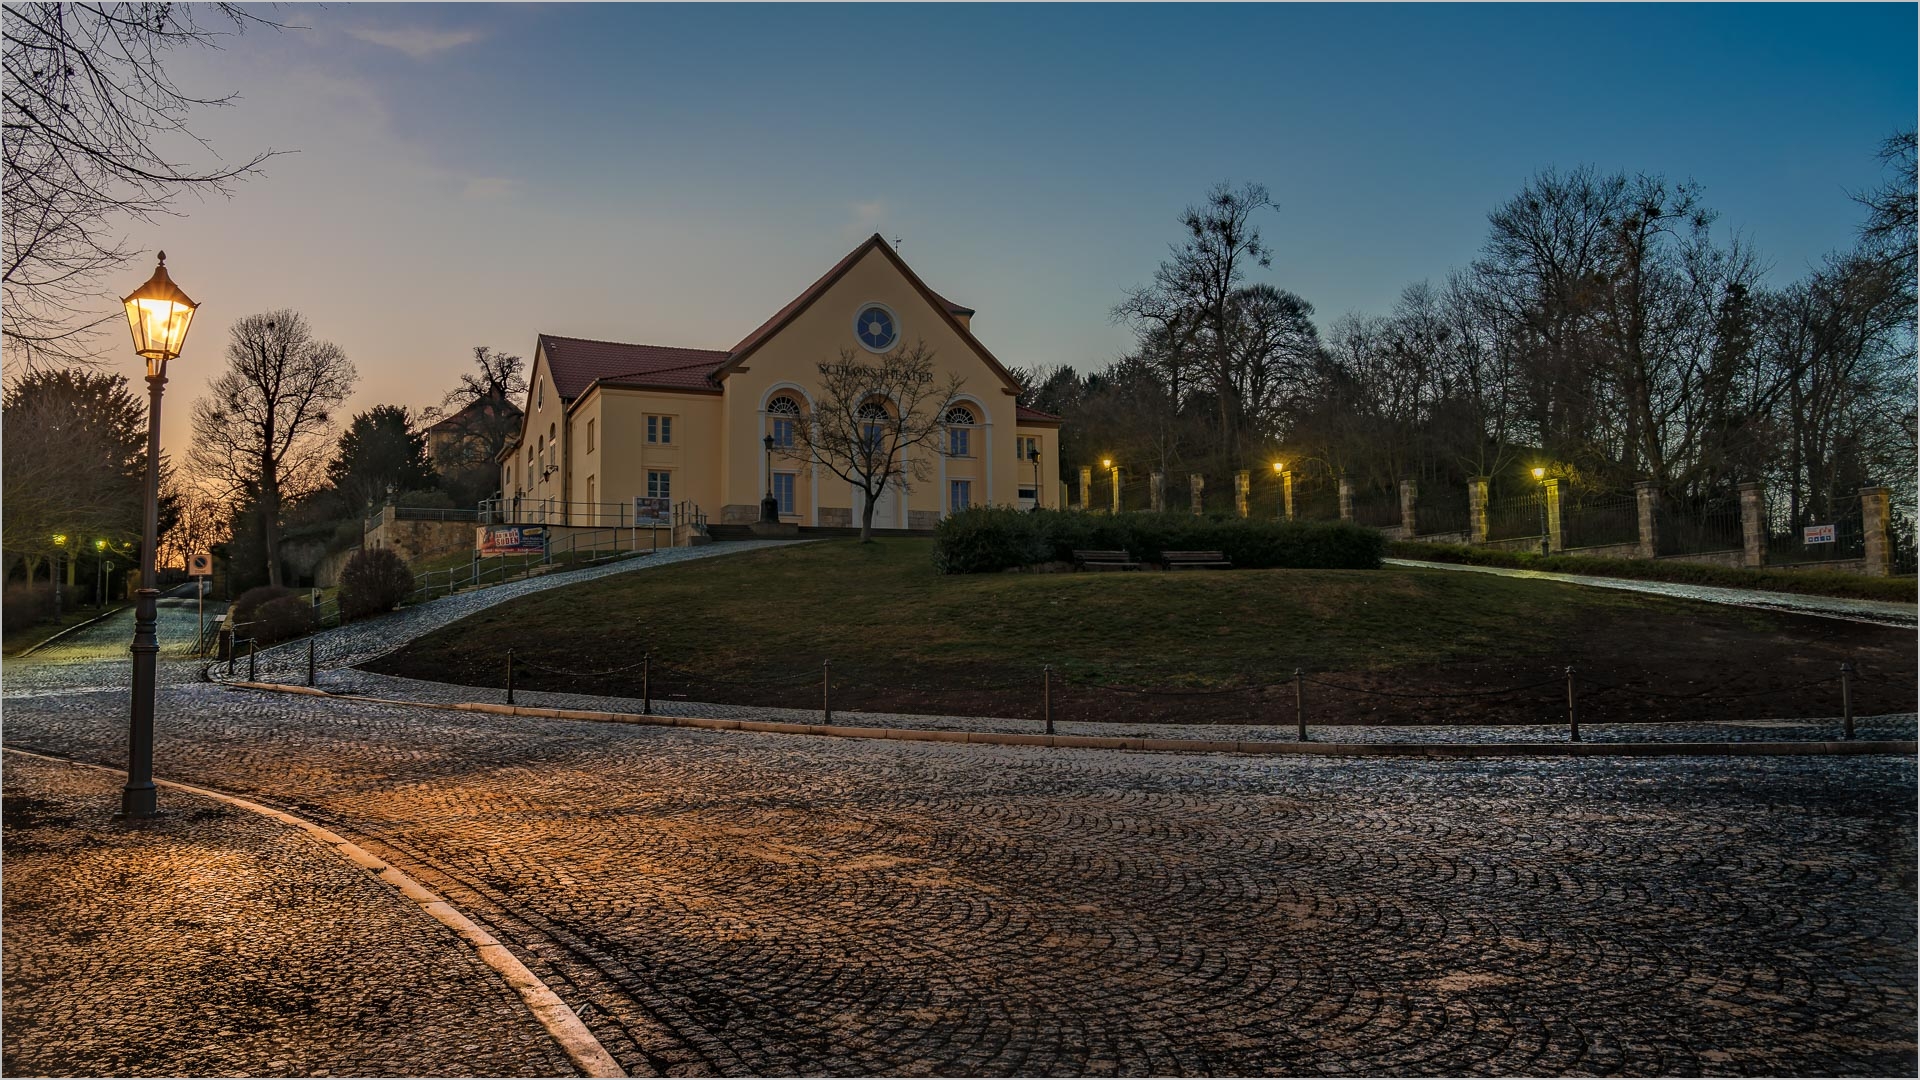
{"x":559,"y":1020}
{"x":1192,"y":746}
{"x":75,"y":628}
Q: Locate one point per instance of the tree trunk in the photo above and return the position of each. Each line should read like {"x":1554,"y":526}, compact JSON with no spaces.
{"x":866,"y":514}
{"x":270,"y":526}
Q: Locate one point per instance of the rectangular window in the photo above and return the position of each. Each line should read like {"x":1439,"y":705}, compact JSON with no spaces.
{"x":659,"y":484}
{"x":958,"y":440}
{"x":589,"y":436}
{"x":873,"y":435}
{"x":593,"y":503}
{"x":962,"y":496}
{"x":1027,"y":446}
{"x":783,"y":433}
{"x":783,"y":491}
{"x":660,"y":429}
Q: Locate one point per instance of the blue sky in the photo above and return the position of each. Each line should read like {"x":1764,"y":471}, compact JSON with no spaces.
{"x":477,"y":174}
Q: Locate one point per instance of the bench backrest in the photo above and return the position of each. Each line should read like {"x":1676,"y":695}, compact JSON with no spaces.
{"x":1103,"y":556}
{"x":1195,"y":556}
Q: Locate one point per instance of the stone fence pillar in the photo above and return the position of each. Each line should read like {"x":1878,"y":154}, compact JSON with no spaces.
{"x":1086,"y":487}
{"x":1346,"y":499}
{"x":1753,"y":523}
{"x":1159,"y":491}
{"x":1196,"y":485}
{"x":1408,"y":493}
{"x":1476,"y":509}
{"x":1116,"y":489}
{"x":1646,"y":499}
{"x":1556,"y":540}
{"x":1874,"y":519}
{"x":1242,"y":489}
{"x":1286,"y":495}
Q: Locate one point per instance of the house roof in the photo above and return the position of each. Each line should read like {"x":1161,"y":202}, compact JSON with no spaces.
{"x":576,"y":364}
{"x":458,"y":421}
{"x":1022,"y":412}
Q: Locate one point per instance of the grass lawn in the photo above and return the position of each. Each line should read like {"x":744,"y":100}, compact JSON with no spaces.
{"x":893,"y":629}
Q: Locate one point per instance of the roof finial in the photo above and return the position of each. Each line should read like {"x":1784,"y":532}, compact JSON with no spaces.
{"x":896,"y":241}
{"x":163,"y":258}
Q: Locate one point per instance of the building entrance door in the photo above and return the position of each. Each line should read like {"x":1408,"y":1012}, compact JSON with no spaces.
{"x":888,"y":513}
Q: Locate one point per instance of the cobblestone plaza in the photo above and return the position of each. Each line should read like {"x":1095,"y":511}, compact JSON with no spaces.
{"x":738,"y":903}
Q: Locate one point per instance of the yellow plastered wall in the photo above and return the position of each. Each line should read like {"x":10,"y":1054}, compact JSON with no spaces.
{"x":793,"y":355}
{"x":622,"y":456}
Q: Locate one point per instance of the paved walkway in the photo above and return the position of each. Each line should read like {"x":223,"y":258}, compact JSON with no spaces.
{"x":1878,"y":612}
{"x":214,"y":942}
{"x":727,"y":903}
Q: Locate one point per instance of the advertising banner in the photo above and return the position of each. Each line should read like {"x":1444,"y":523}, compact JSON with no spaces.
{"x":648,"y":510}
{"x":513,"y":540}
{"x":1819,"y":534}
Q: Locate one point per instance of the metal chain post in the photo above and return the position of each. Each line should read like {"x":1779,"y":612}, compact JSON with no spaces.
{"x":646,"y":683}
{"x":509,"y":676}
{"x":826,"y":700}
{"x":1573,"y":707}
{"x":310,"y":661}
{"x":1846,"y":697}
{"x":1046,"y":696}
{"x":1300,"y":702}
{"x":250,"y":651}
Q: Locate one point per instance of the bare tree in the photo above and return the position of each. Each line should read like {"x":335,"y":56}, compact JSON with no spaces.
{"x":1890,"y":228}
{"x":200,"y":521}
{"x":263,"y":430}
{"x":871,"y":417}
{"x":92,"y":127}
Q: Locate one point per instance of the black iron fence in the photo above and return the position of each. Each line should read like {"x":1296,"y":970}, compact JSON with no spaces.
{"x":1596,"y":519}
{"x":1439,"y":509}
{"x":1380,"y":509}
{"x":1819,"y":539}
{"x":1513,"y":517}
{"x":1316,"y":500}
{"x":1692,"y":529}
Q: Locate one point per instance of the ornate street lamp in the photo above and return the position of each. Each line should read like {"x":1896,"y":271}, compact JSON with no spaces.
{"x":1280,"y":477}
{"x":1113,"y":478}
{"x":1540,"y":474}
{"x":1034,"y":454}
{"x":769,"y":506}
{"x":159,"y":314}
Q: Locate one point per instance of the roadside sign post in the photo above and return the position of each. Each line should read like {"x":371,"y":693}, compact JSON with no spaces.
{"x":200,"y":566}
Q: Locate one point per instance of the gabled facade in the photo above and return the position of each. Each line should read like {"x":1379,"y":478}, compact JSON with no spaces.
{"x":607,"y":422}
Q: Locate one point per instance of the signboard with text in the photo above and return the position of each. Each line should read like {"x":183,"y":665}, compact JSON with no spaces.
{"x":648,"y":510}
{"x":513,"y":539}
{"x":1818,"y":534}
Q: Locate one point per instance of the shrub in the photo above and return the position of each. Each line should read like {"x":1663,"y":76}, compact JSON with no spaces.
{"x":272,"y":613}
{"x":999,"y":538}
{"x":1810,"y":582}
{"x":23,"y":605}
{"x":246,"y":608}
{"x":373,"y":581}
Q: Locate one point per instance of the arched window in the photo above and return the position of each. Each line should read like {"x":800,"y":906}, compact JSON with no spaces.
{"x":873,"y":410}
{"x":959,"y":414}
{"x":959,"y":421}
{"x":783,"y":406}
{"x":781,"y":413}
{"x":873,"y":417}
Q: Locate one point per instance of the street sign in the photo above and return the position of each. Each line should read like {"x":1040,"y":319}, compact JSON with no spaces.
{"x":1819,"y":534}
{"x":513,"y":539}
{"x":200,"y":564}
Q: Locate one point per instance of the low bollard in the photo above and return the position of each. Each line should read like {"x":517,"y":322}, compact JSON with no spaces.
{"x":250,"y":652}
{"x":1846,"y":697}
{"x":309,"y":661}
{"x":1300,"y":702}
{"x":1046,"y":696}
{"x":646,"y":683}
{"x":509,"y":676}
{"x":1573,"y":707}
{"x":826,"y":700}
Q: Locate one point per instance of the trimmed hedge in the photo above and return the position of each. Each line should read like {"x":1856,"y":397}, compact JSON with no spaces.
{"x":1807,"y":582}
{"x":272,"y":613}
{"x":988,"y":539}
{"x":374,"y":580}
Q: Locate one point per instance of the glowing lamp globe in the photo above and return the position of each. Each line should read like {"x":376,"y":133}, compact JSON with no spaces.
{"x":1539,"y":473}
{"x":159,"y":314}
{"x":1279,"y":466}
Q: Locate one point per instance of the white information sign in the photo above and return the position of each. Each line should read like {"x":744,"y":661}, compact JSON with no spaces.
{"x":1819,"y":534}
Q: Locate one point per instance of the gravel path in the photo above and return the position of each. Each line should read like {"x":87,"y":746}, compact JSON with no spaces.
{"x":1877,"y":612}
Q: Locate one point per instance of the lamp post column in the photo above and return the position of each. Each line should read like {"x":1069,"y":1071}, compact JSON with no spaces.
{"x":137,"y":798}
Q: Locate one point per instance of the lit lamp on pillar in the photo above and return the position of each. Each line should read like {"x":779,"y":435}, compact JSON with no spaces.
{"x":769,"y":506}
{"x":1540,"y":474}
{"x":159,"y":314}
{"x":1113,"y":475}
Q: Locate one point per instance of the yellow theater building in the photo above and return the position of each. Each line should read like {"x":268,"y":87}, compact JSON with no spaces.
{"x":610,"y":426}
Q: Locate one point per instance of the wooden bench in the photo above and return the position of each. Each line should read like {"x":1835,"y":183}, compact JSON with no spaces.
{"x":1104,"y":560}
{"x":1196,"y":560}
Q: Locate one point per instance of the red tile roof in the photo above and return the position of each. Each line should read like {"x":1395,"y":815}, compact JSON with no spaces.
{"x":1022,"y":412}
{"x":577,"y":363}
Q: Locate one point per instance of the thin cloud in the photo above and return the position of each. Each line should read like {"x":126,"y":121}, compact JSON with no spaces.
{"x":489,"y":188}
{"x":418,"y":42}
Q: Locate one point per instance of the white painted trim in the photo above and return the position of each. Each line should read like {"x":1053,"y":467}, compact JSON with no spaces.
{"x":899,"y":332}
